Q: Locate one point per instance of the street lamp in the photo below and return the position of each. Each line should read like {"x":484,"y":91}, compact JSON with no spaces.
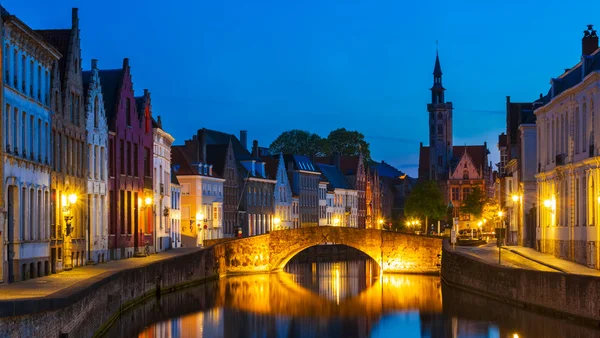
{"x":381,"y":223}
{"x":336,"y":221}
{"x":276,"y":221}
{"x":500,"y":234}
{"x":67,"y":204}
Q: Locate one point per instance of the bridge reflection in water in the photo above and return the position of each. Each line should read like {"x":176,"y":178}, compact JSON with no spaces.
{"x":334,"y":299}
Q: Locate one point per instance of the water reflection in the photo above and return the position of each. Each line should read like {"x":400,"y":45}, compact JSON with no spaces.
{"x":334,"y":299}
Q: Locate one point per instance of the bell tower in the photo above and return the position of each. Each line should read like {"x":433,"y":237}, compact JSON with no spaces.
{"x":440,"y":127}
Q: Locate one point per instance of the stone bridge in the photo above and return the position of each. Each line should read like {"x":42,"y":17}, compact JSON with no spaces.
{"x":395,"y":252}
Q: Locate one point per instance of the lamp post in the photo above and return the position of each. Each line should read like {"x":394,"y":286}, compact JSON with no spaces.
{"x":277,"y":221}
{"x":144,"y":205}
{"x":67,"y":205}
{"x":380,"y":224}
{"x":517,"y":199}
{"x":501,"y":234}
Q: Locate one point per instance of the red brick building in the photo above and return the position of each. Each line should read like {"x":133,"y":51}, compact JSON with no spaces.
{"x":130,"y":163}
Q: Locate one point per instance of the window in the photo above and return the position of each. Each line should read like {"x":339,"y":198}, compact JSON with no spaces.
{"x":102,"y":162}
{"x":15,"y":129}
{"x":39,"y":83}
{"x":465,"y":175}
{"x":440,"y":163}
{"x":23,"y":73}
{"x":129,"y":159}
{"x":24,"y":132}
{"x":466,"y":192}
{"x":135,"y":161}
{"x":96,"y":112}
{"x":122,"y":152}
{"x":440,"y":129}
{"x":15,"y":67}
{"x":455,"y":194}
{"x":147,"y":162}
{"x":122,"y":210}
{"x":128,"y":111}
{"x":111,"y":161}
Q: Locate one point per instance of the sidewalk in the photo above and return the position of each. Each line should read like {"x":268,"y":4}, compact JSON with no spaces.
{"x":62,"y":284}
{"x":552,"y":262}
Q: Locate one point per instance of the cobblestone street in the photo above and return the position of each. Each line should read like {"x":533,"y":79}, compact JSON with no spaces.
{"x":64,"y":282}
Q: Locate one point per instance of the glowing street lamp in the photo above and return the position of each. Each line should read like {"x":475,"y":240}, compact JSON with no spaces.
{"x":336,"y":221}
{"x":67,"y":204}
{"x":276,"y":221}
{"x":516,"y":198}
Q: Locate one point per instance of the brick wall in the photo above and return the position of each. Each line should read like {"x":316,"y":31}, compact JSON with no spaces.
{"x":557,"y":293}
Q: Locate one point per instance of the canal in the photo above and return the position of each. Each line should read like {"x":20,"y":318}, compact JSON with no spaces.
{"x":334,"y":291}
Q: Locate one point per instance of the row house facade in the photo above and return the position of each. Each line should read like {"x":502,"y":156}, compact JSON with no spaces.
{"x":516,"y":185}
{"x":305,"y":184}
{"x":130,"y":182}
{"x":258,"y":200}
{"x":568,"y":174}
{"x":162,"y":142}
{"x":323,"y":183}
{"x":97,"y":167}
{"x":345,"y":202}
{"x":68,"y":225}
{"x":201,"y":197}
{"x":28,"y":63}
{"x":275,"y":166}
{"x":175,"y":212}
{"x":223,"y":159}
{"x":353,"y":168}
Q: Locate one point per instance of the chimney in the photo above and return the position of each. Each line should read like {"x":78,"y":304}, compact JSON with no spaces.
{"x":94,"y":63}
{"x":201,"y":146}
{"x":336,"y":159}
{"x":125,"y":63}
{"x":589,"y":42}
{"x":74,"y":17}
{"x":145,"y":92}
{"x":159,"y":122}
{"x":244,"y":138}
{"x":255,"y":148}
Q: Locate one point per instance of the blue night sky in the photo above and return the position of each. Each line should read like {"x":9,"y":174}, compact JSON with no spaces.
{"x":271,"y":66}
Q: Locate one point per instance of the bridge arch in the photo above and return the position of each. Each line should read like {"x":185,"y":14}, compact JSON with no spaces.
{"x":393,"y":251}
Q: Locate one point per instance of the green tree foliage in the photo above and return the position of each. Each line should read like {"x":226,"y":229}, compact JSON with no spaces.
{"x":425,"y":202}
{"x":348,"y":143}
{"x":298,"y":142}
{"x":474,"y":202}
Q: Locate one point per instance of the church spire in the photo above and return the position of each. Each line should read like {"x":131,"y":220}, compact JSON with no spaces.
{"x":437,"y":91}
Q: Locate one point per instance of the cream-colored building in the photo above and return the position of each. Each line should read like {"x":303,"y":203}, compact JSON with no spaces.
{"x":568,"y":156}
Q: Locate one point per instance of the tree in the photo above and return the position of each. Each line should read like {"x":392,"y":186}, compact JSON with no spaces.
{"x":473,"y":203}
{"x":298,"y":142}
{"x":348,"y":143}
{"x":425,"y":201}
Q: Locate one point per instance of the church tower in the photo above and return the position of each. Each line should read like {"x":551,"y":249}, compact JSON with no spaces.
{"x":440,"y":127}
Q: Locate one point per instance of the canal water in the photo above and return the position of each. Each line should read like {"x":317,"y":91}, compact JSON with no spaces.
{"x":335,"y":295}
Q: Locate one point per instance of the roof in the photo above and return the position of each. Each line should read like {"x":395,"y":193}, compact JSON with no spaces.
{"x":174,"y":179}
{"x":180,"y":162}
{"x":300,"y":162}
{"x":271,"y":165}
{"x":111,"y":81}
{"x":575,"y":75}
{"x":216,"y":154}
{"x":437,"y":69}
{"x":60,"y":39}
{"x":385,"y":169}
{"x":477,"y":153}
{"x":334,"y":176}
{"x":218,"y":137}
{"x":348,"y":164}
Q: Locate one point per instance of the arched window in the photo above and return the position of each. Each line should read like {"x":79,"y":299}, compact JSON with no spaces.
{"x":465,"y":175}
{"x":96,"y":112}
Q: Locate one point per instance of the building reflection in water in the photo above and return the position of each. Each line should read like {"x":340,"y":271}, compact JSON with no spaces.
{"x":344,"y":298}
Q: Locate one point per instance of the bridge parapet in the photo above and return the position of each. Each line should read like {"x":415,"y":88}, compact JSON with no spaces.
{"x":394,"y":252}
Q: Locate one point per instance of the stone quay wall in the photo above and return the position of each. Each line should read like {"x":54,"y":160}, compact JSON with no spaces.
{"x":85,"y":308}
{"x":574,"y":296}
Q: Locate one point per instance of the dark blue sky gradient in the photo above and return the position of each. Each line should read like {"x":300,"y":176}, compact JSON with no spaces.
{"x":270,"y":66}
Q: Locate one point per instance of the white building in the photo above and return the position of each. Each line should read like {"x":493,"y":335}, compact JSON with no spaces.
{"x":282,"y":193}
{"x":28,"y":61}
{"x":97,"y":175}
{"x":295,"y":212}
{"x":162,"y":142}
{"x":344,"y":211}
{"x":329,"y":209}
{"x":175,"y":212}
{"x":568,"y":178}
{"x":201,"y":200}
{"x":323,"y":202}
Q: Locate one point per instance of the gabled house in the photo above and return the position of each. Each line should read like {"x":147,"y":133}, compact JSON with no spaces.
{"x":345,"y":197}
{"x":275,"y":167}
{"x":130,"y":181}
{"x":97,"y":166}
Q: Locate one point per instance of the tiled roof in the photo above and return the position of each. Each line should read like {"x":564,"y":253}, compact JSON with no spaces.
{"x":348,"y":164}
{"x":59,"y":38}
{"x":335,"y":177}
{"x":217,"y":137}
{"x":181,"y":162}
{"x":271,"y":165}
{"x":174,"y":179}
{"x":111,"y":81}
{"x":300,"y":162}
{"x":477,"y":153}
{"x":216,"y":154}
{"x":385,"y":169}
{"x":575,"y":75}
